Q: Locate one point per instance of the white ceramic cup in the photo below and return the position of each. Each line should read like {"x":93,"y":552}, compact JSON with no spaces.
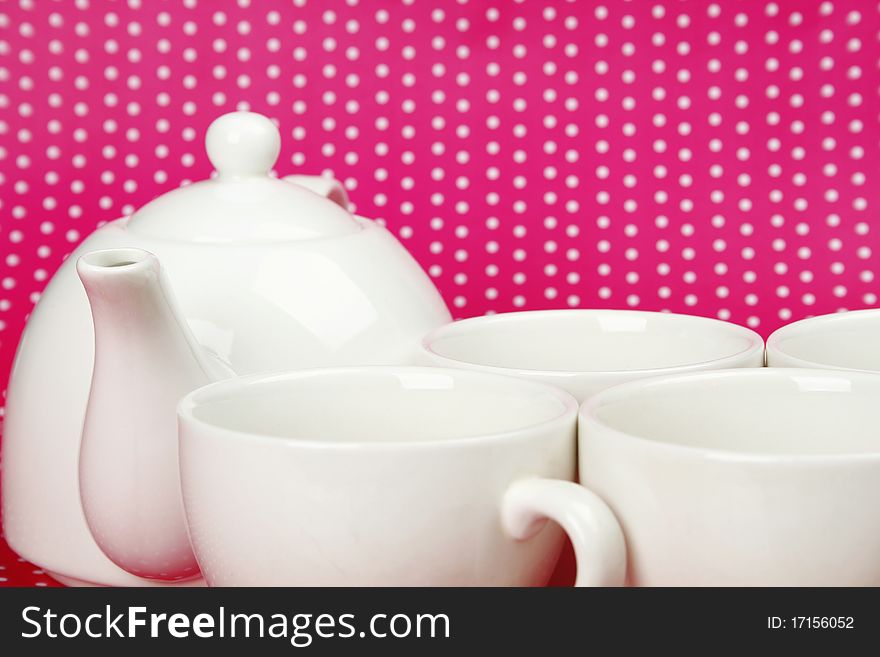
{"x":388,"y":476}
{"x":755,"y":477}
{"x":585,"y":351}
{"x":846,"y":341}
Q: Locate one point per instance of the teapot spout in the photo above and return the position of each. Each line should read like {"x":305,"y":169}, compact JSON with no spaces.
{"x":146,"y":359}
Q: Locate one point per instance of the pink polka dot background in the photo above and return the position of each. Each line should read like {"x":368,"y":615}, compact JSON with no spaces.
{"x":716,"y":158}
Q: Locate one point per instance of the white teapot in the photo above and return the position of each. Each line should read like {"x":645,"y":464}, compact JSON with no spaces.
{"x":234,"y":275}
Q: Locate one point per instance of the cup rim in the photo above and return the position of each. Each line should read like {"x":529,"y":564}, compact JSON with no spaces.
{"x":756,"y":343}
{"x":192,"y":400}
{"x":588,"y":414}
{"x":804,"y":326}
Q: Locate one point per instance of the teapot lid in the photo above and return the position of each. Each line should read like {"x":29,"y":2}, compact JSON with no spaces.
{"x":242,"y":203}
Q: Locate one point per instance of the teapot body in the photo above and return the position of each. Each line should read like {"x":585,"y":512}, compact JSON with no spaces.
{"x":357,"y":298}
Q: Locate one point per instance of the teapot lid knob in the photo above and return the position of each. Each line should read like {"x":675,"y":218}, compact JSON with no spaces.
{"x":242,"y":204}
{"x":243,"y":143}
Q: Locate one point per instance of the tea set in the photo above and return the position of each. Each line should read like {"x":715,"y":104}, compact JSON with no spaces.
{"x":244,"y":384}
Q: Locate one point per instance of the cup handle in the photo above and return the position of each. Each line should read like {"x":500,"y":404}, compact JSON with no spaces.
{"x":599,"y":546}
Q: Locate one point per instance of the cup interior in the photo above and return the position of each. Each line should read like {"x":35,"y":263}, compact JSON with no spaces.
{"x":845,"y":340}
{"x":377,"y":405}
{"x":590,"y":341}
{"x":776,"y":411}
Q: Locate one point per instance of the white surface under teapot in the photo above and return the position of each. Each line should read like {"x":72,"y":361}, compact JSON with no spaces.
{"x":234,"y":275}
